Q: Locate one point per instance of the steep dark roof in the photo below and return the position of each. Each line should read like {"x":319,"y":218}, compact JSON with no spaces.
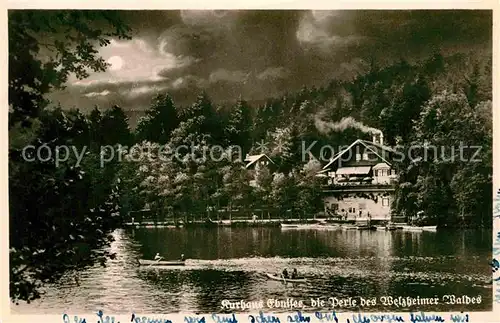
{"x":377,"y":149}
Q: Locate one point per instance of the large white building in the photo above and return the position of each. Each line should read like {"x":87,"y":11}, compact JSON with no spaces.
{"x":360,"y":181}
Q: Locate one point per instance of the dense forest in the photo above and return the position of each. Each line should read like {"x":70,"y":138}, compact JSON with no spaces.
{"x":62,"y":215}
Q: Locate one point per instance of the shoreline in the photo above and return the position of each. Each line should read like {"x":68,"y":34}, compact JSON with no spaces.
{"x":243,"y":223}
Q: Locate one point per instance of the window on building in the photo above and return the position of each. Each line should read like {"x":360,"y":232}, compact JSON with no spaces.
{"x":334,"y":206}
{"x":353,"y":210}
{"x":385,"y":201}
{"x":350,"y":210}
{"x":365,"y":156}
{"x":358,"y":157}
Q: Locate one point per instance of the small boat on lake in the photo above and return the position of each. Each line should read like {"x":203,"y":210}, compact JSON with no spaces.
{"x":287,"y":280}
{"x":412,"y":228}
{"x":389,"y":227}
{"x":145,"y":262}
{"x":289,"y":226}
{"x":365,"y":227}
{"x":325,"y":226}
{"x":311,"y":226}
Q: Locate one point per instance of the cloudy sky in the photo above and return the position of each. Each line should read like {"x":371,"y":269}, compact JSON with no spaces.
{"x":258,"y":54}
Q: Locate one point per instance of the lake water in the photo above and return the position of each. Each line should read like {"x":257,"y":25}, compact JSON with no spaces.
{"x":231,"y":263}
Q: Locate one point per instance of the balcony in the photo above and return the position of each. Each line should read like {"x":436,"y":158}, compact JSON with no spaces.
{"x":357,"y":185}
{"x":361,"y":181}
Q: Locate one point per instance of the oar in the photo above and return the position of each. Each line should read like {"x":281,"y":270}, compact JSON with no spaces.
{"x":157,"y":261}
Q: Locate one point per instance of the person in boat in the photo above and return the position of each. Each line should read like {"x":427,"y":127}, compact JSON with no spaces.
{"x":295,"y":274}
{"x":285,"y":273}
{"x":183,"y":258}
{"x":158,"y":257}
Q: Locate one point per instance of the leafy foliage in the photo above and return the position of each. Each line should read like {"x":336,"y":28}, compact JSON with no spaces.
{"x":45,"y":47}
{"x":61,"y":216}
{"x":448,"y":181}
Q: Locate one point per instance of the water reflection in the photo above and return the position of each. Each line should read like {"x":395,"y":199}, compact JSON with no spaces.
{"x":231,"y":263}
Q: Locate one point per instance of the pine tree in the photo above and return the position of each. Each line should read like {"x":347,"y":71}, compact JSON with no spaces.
{"x":159,"y":122}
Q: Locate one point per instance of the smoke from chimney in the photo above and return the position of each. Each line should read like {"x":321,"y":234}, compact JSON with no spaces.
{"x":349,"y":122}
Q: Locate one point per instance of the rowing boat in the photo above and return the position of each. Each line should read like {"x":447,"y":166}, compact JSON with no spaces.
{"x":310,"y":226}
{"x":288,"y":280}
{"x":289,"y":226}
{"x":364,"y":227}
{"x":144,"y":262}
{"x":410,"y":228}
{"x":349,"y":227}
{"x":385,"y":227}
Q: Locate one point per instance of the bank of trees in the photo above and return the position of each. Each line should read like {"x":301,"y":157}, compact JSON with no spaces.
{"x":61,"y":217}
{"x":450,"y":179}
{"x":209,"y":172}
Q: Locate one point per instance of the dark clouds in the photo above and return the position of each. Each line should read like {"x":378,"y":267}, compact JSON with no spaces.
{"x":257,"y":54}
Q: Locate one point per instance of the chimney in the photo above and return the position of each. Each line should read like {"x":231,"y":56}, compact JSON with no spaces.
{"x":378,"y":138}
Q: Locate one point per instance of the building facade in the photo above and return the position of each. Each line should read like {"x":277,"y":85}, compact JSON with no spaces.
{"x":256,"y":162}
{"x":359,"y":182}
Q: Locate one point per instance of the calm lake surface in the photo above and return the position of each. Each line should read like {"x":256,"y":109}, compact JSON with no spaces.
{"x":230,"y":264}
